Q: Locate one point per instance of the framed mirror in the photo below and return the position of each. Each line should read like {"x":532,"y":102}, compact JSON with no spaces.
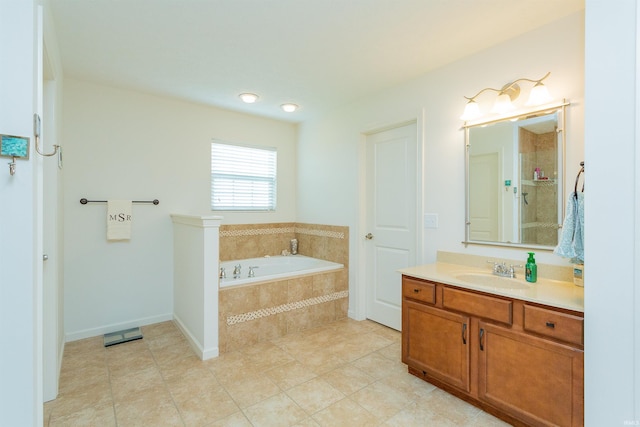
{"x":515,"y":178}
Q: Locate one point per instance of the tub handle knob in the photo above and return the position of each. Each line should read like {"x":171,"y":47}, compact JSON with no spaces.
{"x":237,"y":271}
{"x":223,"y":273}
{"x":251,"y":272}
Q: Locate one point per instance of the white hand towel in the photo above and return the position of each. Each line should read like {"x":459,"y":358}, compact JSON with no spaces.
{"x":119,"y":219}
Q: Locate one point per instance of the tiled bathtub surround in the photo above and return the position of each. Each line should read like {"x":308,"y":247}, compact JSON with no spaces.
{"x":264,"y":311}
{"x":254,"y":240}
{"x":323,"y":242}
{"x":242,"y":241}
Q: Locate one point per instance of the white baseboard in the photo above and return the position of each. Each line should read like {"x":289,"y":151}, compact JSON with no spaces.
{"x":352,"y":315}
{"x":211,"y":353}
{"x":94,"y":332}
{"x":203,"y":354}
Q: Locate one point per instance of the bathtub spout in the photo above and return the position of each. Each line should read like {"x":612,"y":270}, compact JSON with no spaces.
{"x":251,"y":272}
{"x":237,"y":271}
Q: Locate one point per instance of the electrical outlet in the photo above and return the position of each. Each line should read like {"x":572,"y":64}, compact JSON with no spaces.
{"x":431,"y":220}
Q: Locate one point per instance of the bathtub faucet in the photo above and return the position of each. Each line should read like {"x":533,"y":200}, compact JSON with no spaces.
{"x":251,"y":272}
{"x":236,"y":271}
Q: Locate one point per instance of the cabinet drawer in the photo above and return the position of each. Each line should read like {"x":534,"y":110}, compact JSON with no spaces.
{"x":418,"y":290}
{"x":483,"y":306}
{"x":554,"y":324}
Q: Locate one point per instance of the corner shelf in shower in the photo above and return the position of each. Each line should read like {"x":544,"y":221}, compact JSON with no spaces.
{"x":540,"y":182}
{"x":539,"y":225}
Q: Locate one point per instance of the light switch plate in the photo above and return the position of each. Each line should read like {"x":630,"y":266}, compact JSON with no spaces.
{"x":431,"y":220}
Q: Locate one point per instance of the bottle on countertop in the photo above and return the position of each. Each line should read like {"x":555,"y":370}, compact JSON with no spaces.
{"x":578,"y":275}
{"x":531,"y":269}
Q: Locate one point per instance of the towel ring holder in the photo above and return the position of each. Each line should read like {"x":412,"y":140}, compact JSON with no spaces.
{"x":575,"y":189}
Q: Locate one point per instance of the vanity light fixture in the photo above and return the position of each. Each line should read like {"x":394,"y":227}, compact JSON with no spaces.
{"x":506,"y":95}
{"x":289,"y":108}
{"x":248,"y":98}
{"x":539,"y":95}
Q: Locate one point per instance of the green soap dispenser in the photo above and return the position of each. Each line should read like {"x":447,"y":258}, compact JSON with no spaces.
{"x":531,"y":269}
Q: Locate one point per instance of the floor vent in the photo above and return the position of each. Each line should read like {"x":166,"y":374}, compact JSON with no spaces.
{"x":120,"y":337}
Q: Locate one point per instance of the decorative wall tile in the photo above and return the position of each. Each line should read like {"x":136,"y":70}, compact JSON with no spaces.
{"x":257,"y":314}
{"x":320,"y":233}
{"x":254,"y":231}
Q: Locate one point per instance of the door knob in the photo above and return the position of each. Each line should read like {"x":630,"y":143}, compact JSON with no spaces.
{"x":369,"y":236}
{"x":45,"y":257}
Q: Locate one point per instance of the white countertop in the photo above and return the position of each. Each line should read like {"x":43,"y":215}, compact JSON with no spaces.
{"x":554,"y":293}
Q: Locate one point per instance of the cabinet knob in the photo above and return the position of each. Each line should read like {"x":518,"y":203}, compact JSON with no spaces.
{"x":416,"y":290}
{"x":551,"y":325}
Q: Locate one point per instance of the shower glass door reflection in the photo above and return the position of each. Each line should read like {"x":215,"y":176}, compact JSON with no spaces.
{"x":538,"y":157}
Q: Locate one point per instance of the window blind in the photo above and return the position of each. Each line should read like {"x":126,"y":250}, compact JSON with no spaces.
{"x":242,"y":177}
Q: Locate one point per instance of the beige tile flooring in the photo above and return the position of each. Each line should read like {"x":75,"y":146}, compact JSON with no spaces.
{"x":347,"y":373}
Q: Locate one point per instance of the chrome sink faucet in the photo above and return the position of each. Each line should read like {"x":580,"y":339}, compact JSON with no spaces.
{"x":501,"y":269}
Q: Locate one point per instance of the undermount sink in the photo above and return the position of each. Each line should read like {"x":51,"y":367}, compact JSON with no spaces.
{"x":484,"y":279}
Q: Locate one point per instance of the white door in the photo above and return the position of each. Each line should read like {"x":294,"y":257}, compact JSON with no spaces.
{"x":52,"y":312}
{"x":390,"y":236}
{"x":484,"y":212}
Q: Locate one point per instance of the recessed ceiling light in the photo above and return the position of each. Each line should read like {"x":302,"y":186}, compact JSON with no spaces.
{"x":289,"y":108}
{"x":249,"y":98}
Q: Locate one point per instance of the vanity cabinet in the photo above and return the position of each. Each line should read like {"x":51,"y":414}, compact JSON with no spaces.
{"x":520,"y":361}
{"x":437,"y":342}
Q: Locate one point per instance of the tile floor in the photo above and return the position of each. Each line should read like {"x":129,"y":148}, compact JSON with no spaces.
{"x":347,"y":373}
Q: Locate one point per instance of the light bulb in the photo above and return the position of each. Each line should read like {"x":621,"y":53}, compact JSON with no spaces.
{"x":289,"y":108}
{"x":503,"y":104}
{"x":539,"y":95}
{"x":249,"y":98}
{"x":471,"y":111}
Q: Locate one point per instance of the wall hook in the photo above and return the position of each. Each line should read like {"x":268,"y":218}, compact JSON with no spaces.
{"x":36,"y":132}
{"x":12,"y":166}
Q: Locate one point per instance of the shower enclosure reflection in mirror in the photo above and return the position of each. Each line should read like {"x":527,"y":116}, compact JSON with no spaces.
{"x":514,"y":178}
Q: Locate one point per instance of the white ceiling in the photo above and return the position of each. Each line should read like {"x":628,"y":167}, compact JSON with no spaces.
{"x":319,"y":54}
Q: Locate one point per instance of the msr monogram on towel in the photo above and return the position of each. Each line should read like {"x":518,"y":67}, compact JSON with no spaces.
{"x":121,"y":217}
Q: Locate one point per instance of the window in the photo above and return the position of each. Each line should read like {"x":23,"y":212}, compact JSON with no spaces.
{"x":242,"y":178}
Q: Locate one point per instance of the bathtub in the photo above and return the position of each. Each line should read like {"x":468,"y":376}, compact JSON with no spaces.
{"x":273,"y":268}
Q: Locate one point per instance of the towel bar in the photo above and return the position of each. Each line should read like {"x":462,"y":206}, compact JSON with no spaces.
{"x":85,"y":201}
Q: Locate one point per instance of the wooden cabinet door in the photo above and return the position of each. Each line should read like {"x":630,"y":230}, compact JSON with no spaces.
{"x":436,"y":342}
{"x":538,"y":381}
